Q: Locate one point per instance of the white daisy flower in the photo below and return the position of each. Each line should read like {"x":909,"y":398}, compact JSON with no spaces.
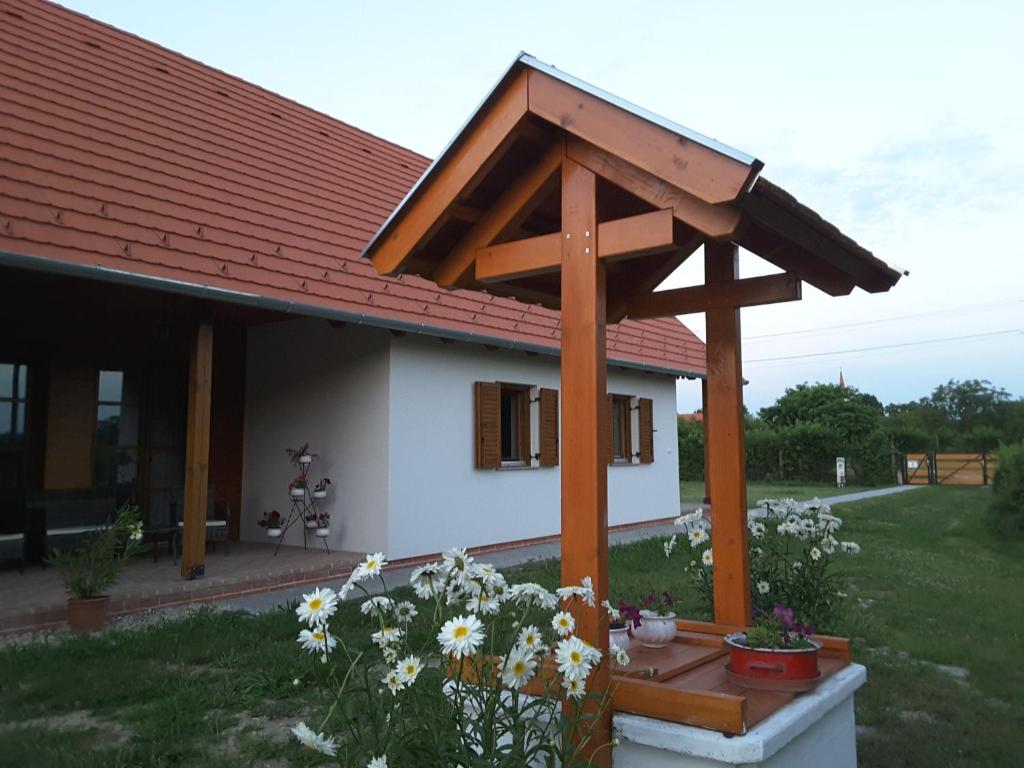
{"x":697,"y":537}
{"x":763,"y":587}
{"x":405,"y":612}
{"x":531,"y":639}
{"x":797,"y":565}
{"x":518,"y":668}
{"x":584,"y":592}
{"x":346,"y":589}
{"x":370,"y":567}
{"x":315,"y":741}
{"x":563,"y":623}
{"x":378,"y":604}
{"x":317,"y":607}
{"x":574,"y":688}
{"x":573,"y":658}
{"x":669,"y":546}
{"x":690,"y":518}
{"x":614,"y":614}
{"x":456,"y":562}
{"x":386,"y":636}
{"x":390,"y":654}
{"x":378,"y":762}
{"x":757,"y":528}
{"x":427,"y":581}
{"x":850,"y":547}
{"x":483,"y":603}
{"x":461,"y":636}
{"x":621,"y":657}
{"x":316,"y":640}
{"x":788,"y":528}
{"x":529,"y":593}
{"x":815,"y":554}
{"x":707,"y":558}
{"x":409,"y":669}
{"x":393,"y":681}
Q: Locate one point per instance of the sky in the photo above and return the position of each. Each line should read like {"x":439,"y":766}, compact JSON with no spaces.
{"x":901,"y":123}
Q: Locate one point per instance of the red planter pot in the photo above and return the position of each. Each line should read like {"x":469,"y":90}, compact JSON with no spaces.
{"x":772,"y":669}
{"x":87,"y":614}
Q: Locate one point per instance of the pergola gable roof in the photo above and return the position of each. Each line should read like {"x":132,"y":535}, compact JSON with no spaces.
{"x":496,"y":184}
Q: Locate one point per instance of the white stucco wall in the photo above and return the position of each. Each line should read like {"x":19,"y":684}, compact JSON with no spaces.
{"x":307,"y":381}
{"x":437,"y":499}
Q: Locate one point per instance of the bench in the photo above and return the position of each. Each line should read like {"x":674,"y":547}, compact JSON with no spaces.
{"x":68,"y":517}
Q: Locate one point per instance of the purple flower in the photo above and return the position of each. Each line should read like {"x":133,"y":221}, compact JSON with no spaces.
{"x":668,"y":599}
{"x":630,"y":611}
{"x":784,"y":615}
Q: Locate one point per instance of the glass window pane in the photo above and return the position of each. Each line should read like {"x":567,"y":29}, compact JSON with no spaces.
{"x":6,"y":380}
{"x":111,"y":385}
{"x":6,"y":422}
{"x":21,"y":374}
{"x":114,"y":468}
{"x":617,"y":427}
{"x":128,"y":427}
{"x":510,"y":425}
{"x":108,"y":419}
{"x":19,"y":419}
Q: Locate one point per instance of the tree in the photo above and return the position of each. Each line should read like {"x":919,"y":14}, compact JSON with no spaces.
{"x":851,"y":413}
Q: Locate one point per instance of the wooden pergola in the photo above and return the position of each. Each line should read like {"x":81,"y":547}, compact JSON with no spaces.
{"x":557,"y":193}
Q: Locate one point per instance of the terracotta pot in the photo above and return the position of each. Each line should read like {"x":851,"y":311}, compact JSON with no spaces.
{"x":784,"y":664}
{"x":88,"y":614}
{"x":655,"y":631}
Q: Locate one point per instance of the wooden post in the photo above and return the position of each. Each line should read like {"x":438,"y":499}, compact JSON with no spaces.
{"x":197,"y":453}
{"x":584,"y":386}
{"x":706,"y":423}
{"x":726,"y":446}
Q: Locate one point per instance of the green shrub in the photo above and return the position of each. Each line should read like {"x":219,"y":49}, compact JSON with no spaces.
{"x":1006,"y":511}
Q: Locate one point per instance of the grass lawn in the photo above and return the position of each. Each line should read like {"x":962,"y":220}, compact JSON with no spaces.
{"x":693,"y":491}
{"x":930,"y":588}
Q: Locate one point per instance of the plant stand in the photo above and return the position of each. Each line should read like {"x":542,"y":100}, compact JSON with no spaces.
{"x":302,"y":507}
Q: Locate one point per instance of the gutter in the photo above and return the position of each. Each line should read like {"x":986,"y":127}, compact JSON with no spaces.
{"x":212,"y":293}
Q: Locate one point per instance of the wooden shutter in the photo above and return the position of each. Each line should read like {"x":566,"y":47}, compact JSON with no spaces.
{"x":606,"y":430}
{"x":488,"y":424}
{"x":645,"y":411}
{"x":548,"y":427}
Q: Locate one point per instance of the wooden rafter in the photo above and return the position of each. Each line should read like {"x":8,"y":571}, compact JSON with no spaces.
{"x":630,"y":237}
{"x":771,"y":247}
{"x":718,"y":221}
{"x":481,"y":148}
{"x":506,"y":214}
{"x":769,"y":289}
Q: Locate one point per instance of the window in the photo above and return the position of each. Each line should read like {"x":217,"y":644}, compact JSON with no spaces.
{"x":13,"y":401}
{"x":622,"y":431}
{"x":629,"y":430}
{"x":516,"y":425}
{"x":115,"y":455}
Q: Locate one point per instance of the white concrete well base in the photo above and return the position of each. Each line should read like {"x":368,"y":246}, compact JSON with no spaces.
{"x":816,"y":729}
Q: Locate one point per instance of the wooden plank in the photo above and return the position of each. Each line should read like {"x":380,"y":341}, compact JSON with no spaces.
{"x":479,"y":149}
{"x":506,"y":214}
{"x":720,"y":711}
{"x":197,"y":452}
{"x":767,"y":289}
{"x":548,"y":423}
{"x":726,"y":444}
{"x":692,"y":167}
{"x":584,"y":475}
{"x":705,"y":422}
{"x":626,"y":238}
{"x":660,"y":664}
{"x":773,"y":248}
{"x":717,"y":221}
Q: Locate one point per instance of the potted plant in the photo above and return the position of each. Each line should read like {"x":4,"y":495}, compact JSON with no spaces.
{"x":93,"y":566}
{"x":310,"y":520}
{"x":654,"y":622}
{"x":618,"y":631}
{"x":777,"y":653}
{"x":297,"y":487}
{"x":320,"y":489}
{"x":301,"y":456}
{"x":271,"y":521}
{"x":323,"y":525}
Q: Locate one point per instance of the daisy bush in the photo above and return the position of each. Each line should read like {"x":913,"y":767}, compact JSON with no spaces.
{"x":793,"y":548}
{"x":472,"y":672}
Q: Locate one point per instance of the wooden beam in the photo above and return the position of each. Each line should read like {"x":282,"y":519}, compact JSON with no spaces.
{"x":505,"y":215}
{"x":773,"y":248}
{"x":625,"y":238}
{"x":768,"y":289}
{"x":726,"y":444}
{"x":478,"y":150}
{"x":197,"y":453}
{"x":584,"y":474}
{"x":688,"y":165}
{"x":706,"y":424}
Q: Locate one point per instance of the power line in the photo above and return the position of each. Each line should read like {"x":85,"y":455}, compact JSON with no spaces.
{"x":889,"y":346}
{"x":862,"y":323}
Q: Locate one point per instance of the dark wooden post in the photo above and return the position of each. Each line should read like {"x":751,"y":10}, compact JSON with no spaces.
{"x":726,"y":446}
{"x":197,"y":453}
{"x":705,"y":423}
{"x":584,"y":370}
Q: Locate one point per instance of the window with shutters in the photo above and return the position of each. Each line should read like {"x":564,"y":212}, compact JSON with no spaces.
{"x":622,"y":429}
{"x":629,"y":430}
{"x":516,"y":425}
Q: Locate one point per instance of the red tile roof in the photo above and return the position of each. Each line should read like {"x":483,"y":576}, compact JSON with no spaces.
{"x":119,"y":153}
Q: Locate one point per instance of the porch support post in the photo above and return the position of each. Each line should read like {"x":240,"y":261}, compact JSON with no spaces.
{"x":706,"y":424}
{"x":197,"y":453}
{"x":584,"y":473}
{"x":726,"y":451}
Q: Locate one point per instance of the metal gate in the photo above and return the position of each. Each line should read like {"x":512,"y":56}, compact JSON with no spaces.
{"x":950,"y":468}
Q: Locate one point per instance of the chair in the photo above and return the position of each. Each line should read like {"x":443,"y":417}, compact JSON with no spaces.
{"x":12,"y":534}
{"x":67,"y":517}
{"x":218,"y":516}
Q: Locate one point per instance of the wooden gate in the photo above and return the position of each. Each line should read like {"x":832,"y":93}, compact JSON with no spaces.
{"x":950,"y":468}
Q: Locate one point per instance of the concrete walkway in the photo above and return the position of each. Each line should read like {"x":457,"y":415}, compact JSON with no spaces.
{"x":504,"y":559}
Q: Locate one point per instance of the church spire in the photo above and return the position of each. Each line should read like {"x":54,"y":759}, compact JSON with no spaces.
{"x":842,"y":382}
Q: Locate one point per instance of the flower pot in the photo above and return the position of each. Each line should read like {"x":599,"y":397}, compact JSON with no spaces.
{"x":274,"y":533}
{"x":319,"y":494}
{"x":305,"y":459}
{"x":323,"y":533}
{"x":655,"y":631}
{"x":619,"y":637}
{"x":88,"y":614}
{"x":311,"y":523}
{"x":785,"y":669}
{"x":298,"y":493}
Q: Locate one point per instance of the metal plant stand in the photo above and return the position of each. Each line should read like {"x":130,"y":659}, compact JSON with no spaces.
{"x":303,"y":507}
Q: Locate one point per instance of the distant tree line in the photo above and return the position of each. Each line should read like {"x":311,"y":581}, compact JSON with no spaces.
{"x":799,"y":437}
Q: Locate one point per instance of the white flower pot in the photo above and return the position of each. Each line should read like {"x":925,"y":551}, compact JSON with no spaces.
{"x":311,"y":523}
{"x":305,"y":459}
{"x":298,"y":493}
{"x":655,"y":631}
{"x":619,"y":638}
{"x":319,"y":494}
{"x":323,"y":533}
{"x":274,"y":533}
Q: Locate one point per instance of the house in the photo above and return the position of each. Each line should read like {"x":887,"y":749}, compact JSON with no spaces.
{"x":159,"y":217}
